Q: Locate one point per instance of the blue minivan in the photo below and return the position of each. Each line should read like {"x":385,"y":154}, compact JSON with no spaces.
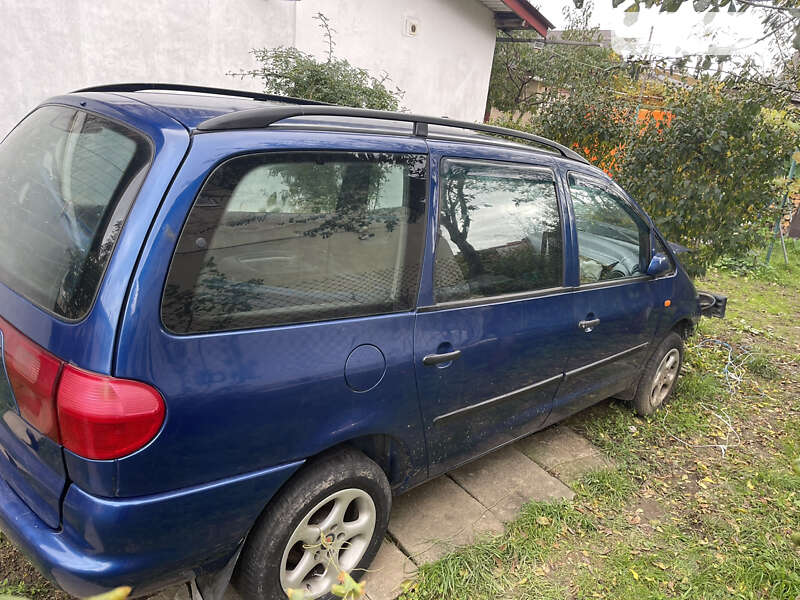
{"x":233,"y":325}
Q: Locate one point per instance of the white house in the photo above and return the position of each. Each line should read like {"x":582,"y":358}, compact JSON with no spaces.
{"x":438,"y":51}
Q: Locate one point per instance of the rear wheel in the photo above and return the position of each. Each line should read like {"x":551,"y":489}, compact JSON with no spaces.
{"x":331,"y":516}
{"x":659,"y":377}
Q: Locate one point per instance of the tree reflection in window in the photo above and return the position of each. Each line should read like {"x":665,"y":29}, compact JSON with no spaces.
{"x":297,"y":237}
{"x":500,"y":231}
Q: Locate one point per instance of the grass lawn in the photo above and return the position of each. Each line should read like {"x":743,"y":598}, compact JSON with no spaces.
{"x":703,"y":499}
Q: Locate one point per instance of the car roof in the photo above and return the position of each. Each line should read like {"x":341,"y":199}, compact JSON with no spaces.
{"x":192,"y":108}
{"x":201,"y":109}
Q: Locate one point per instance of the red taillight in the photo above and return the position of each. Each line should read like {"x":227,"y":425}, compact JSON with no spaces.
{"x":94,"y":416}
{"x":32,"y":372}
{"x":103,"y":417}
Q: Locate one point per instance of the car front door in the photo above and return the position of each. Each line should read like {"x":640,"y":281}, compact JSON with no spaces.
{"x":489,"y":337}
{"x":613,"y":308}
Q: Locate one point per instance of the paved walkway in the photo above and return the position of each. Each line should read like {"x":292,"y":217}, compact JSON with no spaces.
{"x":450,"y":511}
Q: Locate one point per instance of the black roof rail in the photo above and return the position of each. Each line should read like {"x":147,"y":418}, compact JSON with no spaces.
{"x":180,"y":87}
{"x":257,"y":118}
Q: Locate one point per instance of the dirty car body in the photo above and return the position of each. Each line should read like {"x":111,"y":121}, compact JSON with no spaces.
{"x":175,"y":351}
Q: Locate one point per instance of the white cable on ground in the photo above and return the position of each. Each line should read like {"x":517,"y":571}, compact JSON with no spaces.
{"x":734,"y":373}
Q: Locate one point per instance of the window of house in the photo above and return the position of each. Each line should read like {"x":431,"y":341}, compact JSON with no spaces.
{"x":275,"y":239}
{"x":613,"y":240}
{"x":499,"y":231}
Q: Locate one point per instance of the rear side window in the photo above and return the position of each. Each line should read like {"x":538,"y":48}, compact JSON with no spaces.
{"x":67,"y":179}
{"x":613,"y":240}
{"x":274,"y":239}
{"x":499,"y":231}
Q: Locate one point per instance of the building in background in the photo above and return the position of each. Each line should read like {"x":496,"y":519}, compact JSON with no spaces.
{"x":438,"y":52}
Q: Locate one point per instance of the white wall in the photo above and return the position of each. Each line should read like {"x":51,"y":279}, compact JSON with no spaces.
{"x":48,"y":47}
{"x":444,"y":69}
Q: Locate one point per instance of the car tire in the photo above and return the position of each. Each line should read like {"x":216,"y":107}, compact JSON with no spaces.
{"x":660,"y":375}
{"x":343,"y":494}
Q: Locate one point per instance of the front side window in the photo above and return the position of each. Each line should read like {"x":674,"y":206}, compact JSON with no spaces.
{"x":274,"y":239}
{"x":613,"y":240}
{"x":499,"y":231}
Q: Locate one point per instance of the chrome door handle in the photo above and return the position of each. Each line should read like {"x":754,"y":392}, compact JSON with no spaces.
{"x":436,"y":359}
{"x":587,"y":326}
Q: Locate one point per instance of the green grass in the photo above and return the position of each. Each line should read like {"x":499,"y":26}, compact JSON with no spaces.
{"x":677,"y":518}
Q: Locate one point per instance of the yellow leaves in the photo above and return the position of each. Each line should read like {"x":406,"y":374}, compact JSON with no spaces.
{"x":119,"y":593}
{"x":348,"y":588}
{"x":543,"y":520}
{"x":750,"y":485}
{"x":635,"y":574}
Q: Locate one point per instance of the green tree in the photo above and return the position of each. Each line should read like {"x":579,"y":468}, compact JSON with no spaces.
{"x":291,"y":72}
{"x":707,"y":172}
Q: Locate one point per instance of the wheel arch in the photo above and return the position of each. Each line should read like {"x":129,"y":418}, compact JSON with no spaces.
{"x":684,"y":327}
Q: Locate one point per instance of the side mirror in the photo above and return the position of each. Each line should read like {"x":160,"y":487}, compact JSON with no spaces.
{"x":659,"y":264}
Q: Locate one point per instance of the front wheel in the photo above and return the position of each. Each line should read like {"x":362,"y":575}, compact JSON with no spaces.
{"x":331,"y":517}
{"x":659,"y":377}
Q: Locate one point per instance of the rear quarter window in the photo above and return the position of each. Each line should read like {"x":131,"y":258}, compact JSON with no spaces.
{"x":275,"y":239}
{"x":67,"y":179}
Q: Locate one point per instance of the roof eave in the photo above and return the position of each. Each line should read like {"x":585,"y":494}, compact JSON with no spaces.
{"x":530,"y":15}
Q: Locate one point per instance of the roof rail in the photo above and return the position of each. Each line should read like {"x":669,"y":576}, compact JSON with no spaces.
{"x":257,"y":118}
{"x":179,"y":87}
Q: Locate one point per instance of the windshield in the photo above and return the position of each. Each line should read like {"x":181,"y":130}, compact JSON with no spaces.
{"x":67,"y":178}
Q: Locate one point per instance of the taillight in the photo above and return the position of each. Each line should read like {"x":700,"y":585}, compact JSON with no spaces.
{"x":104,"y":417}
{"x":95,"y":416}
{"x":33,"y":373}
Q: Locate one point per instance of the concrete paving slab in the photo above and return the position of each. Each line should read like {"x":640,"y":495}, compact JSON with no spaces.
{"x":431,"y":520}
{"x":564,"y":453}
{"x":505,"y":480}
{"x":175,"y":592}
{"x":388,"y":572}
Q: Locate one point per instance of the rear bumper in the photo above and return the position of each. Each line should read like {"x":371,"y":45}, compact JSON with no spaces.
{"x":147,"y":543}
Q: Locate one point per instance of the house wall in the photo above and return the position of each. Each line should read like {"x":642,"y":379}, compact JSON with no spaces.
{"x":444,"y":69}
{"x":49,"y":47}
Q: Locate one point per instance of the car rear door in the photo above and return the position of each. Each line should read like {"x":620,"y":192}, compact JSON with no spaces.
{"x":489,"y":349}
{"x":613,"y":307}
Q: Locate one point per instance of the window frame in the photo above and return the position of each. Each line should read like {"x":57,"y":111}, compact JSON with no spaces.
{"x":612,"y":188}
{"x":511,"y":296}
{"x":294,"y":151}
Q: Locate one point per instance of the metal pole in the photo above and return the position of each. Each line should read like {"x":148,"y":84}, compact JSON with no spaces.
{"x":778,"y":231}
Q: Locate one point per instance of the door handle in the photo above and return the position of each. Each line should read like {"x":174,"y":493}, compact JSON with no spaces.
{"x":436,"y":359}
{"x":587,"y":326}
